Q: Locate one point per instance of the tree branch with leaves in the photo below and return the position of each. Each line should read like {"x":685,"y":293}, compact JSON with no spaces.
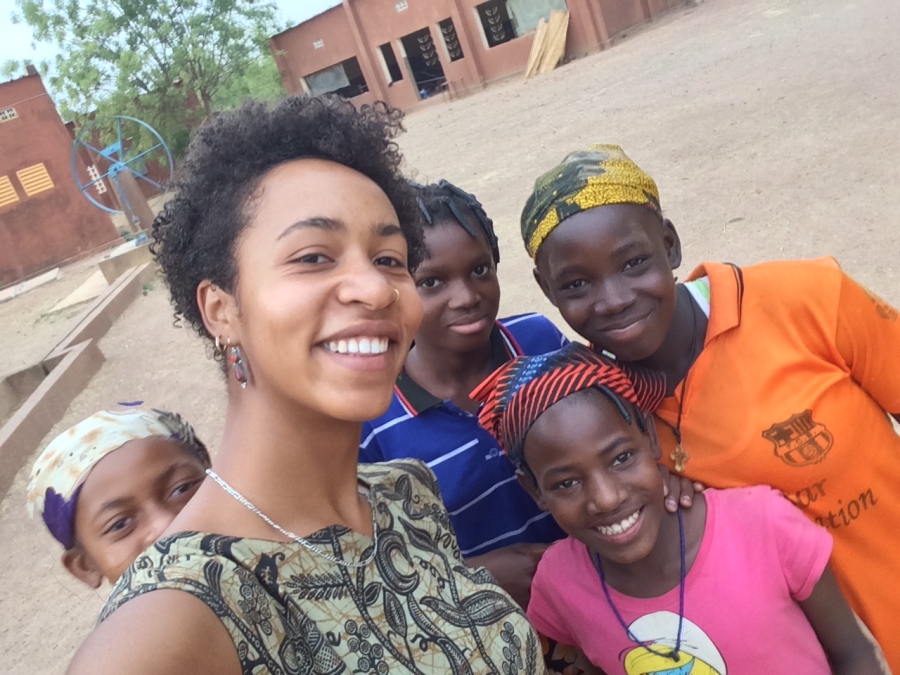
{"x":170,"y":63}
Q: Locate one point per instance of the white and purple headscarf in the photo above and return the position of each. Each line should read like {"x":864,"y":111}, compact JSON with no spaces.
{"x":63,"y":466}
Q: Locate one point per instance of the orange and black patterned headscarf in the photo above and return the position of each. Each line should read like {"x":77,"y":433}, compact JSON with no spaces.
{"x":518,"y":392}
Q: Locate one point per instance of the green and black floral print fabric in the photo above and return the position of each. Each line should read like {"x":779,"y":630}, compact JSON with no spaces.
{"x":415,"y":609}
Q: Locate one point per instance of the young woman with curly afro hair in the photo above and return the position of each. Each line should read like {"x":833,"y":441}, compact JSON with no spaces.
{"x":288,"y":245}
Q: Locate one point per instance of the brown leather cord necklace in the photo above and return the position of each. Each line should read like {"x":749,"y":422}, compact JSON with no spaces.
{"x":679,"y":455}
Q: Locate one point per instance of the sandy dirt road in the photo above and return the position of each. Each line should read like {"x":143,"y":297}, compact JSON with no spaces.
{"x":771,"y":126}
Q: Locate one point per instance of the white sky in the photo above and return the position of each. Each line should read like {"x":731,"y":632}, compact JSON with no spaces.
{"x":16,"y":41}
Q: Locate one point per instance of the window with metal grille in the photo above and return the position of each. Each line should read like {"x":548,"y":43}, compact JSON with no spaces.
{"x":35,"y":179}
{"x":7,"y":114}
{"x":8,"y":193}
{"x":451,"y":39}
{"x":496,"y":22}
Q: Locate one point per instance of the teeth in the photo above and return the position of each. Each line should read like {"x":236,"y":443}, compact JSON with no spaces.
{"x":620,"y":527}
{"x":362,"y":345}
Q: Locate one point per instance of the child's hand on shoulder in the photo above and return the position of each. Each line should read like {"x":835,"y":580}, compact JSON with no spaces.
{"x":679,"y":491}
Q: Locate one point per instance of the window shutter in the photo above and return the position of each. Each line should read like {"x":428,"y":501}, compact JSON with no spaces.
{"x":35,"y":179}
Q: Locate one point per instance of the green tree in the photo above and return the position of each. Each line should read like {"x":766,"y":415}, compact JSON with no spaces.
{"x":10,"y":69}
{"x":171,"y":63}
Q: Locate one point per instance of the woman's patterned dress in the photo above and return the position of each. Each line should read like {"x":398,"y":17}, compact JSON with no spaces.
{"x":416,"y":608}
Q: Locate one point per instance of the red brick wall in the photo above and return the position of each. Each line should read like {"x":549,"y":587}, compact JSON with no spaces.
{"x":379,"y":22}
{"x":48,"y":227}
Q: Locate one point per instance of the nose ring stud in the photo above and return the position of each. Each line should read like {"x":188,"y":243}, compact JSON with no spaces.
{"x":396,"y":295}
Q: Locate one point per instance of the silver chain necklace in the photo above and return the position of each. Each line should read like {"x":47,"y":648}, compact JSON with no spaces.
{"x":300,"y":540}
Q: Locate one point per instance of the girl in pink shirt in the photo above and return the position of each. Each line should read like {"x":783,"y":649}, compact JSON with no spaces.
{"x":738,"y":584}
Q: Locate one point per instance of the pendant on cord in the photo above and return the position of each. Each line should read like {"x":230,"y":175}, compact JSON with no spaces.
{"x":680,"y":457}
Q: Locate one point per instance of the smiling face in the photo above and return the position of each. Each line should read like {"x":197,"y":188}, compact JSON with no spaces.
{"x":609,"y":271}
{"x":324,"y":307}
{"x":128,"y":499}
{"x":458,"y":285}
{"x":597,"y":476}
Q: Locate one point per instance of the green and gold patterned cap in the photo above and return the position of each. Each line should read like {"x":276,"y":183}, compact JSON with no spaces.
{"x":598,"y":176}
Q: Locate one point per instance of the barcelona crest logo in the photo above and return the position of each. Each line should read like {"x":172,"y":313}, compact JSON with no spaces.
{"x":800,"y":440}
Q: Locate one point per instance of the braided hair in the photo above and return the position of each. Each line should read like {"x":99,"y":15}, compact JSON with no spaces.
{"x":184,"y":434}
{"x":521,"y":390}
{"x":444,"y":201}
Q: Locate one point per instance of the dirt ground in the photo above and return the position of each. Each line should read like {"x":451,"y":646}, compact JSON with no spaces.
{"x":771,"y":127}
{"x":28,"y":331}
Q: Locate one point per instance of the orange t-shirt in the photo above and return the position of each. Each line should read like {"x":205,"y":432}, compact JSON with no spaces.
{"x":798,"y":372}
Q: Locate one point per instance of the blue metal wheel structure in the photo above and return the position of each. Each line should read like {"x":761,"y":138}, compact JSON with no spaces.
{"x":122,"y":154}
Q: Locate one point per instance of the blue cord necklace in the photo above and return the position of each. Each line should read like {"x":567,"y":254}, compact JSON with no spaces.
{"x":673,"y":654}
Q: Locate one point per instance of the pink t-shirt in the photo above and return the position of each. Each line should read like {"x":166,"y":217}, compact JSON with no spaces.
{"x":759,"y":556}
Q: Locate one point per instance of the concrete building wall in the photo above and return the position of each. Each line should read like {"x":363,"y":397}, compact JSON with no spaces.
{"x":503,"y":59}
{"x":382,"y":24}
{"x":55,"y":222}
{"x":583,"y":37}
{"x":298,"y":46}
{"x":620,"y":15}
{"x":360,"y":27}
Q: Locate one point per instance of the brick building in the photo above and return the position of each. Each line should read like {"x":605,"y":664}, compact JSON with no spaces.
{"x":44,"y":219}
{"x":403,"y":51}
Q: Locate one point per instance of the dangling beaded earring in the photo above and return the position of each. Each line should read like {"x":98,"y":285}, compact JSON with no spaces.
{"x":235,"y":358}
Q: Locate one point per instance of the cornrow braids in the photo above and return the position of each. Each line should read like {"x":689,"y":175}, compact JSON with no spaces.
{"x":445,"y":201}
{"x":184,"y":433}
{"x":519,"y":392}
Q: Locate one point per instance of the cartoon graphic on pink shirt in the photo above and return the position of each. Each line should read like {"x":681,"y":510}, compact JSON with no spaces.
{"x":697,"y":656}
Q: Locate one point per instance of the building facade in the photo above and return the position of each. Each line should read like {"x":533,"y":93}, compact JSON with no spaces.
{"x":44,"y":218}
{"x":405,"y":51}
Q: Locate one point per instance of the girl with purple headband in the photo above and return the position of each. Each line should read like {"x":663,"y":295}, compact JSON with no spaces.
{"x":108,"y":487}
